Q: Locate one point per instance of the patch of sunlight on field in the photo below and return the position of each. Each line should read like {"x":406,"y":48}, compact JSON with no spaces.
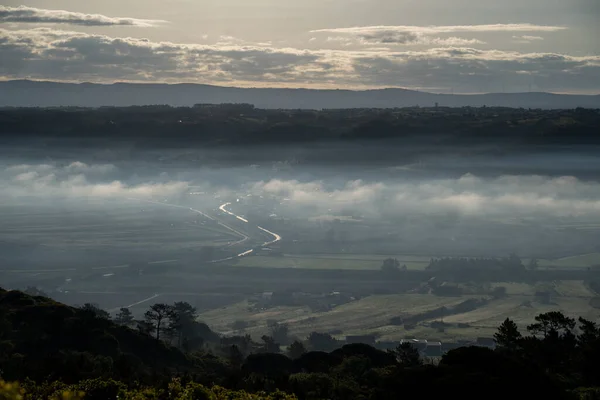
{"x":222,"y":319}
{"x":522,"y":310}
{"x":573,"y":289}
{"x":369,"y":313}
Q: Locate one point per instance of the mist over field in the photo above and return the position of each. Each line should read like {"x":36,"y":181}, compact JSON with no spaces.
{"x":436,"y":197}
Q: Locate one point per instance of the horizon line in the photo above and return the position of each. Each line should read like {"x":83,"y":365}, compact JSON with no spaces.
{"x":323,"y":89}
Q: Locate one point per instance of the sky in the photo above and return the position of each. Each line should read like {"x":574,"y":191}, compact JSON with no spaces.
{"x":443,"y":46}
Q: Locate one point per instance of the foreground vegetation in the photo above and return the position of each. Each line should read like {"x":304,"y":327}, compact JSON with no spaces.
{"x":59,"y":352}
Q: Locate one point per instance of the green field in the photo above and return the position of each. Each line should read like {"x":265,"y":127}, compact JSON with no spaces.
{"x":332,"y":261}
{"x":374,"y":261}
{"x":578,"y":261}
{"x":372,"y":314}
{"x":115,"y":226}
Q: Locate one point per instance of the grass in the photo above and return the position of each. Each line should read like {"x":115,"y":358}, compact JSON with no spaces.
{"x":361,"y":262}
{"x":374,"y":261}
{"x":562,"y":288}
{"x":579,"y":261}
{"x":371,"y":315}
{"x":122,"y":226}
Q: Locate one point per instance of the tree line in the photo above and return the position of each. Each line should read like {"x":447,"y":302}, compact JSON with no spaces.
{"x":54,"y":350}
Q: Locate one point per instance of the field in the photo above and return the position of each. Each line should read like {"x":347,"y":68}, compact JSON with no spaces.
{"x":577,"y":261}
{"x":333,"y":261}
{"x":374,"y":261}
{"x":47,"y":244}
{"x":372,"y":314}
{"x":111,"y":232}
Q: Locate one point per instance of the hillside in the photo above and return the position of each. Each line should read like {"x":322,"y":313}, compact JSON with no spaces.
{"x":23,"y":93}
{"x":42,"y":339}
{"x":57,"y":351}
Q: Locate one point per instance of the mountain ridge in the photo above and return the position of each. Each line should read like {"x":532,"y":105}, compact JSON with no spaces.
{"x":29,"y":93}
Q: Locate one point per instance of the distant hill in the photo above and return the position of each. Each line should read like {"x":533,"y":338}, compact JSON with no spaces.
{"x":23,"y":93}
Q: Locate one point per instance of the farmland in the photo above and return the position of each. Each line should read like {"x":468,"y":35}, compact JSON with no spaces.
{"x":372,"y":314}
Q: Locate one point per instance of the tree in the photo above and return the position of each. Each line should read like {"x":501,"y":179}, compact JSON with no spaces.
{"x":145,"y":327}
{"x":508,"y":335}
{"x":181,"y":320}
{"x":515,"y":262}
{"x":390,"y":265}
{"x":407,"y":355}
{"x":270,"y":345}
{"x":94,"y":311}
{"x":532,"y":265}
{"x":552,"y":323}
{"x":235,"y":356}
{"x":5,"y":333}
{"x":296,"y":350}
{"x":157,"y":317}
{"x":124,"y":317}
{"x":279,"y":332}
{"x":322,"y":342}
{"x":589,"y":333}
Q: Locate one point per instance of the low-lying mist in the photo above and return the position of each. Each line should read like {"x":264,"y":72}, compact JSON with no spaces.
{"x":506,"y":196}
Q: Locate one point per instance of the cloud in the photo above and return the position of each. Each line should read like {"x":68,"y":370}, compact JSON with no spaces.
{"x":506,"y":196}
{"x":479,"y":70}
{"x":404,"y":38}
{"x":434,"y":30}
{"x":23,"y":14}
{"x":57,"y":54}
{"x":79,"y":180}
{"x":45,"y":53}
{"x":427,"y":35}
{"x":527,"y":38}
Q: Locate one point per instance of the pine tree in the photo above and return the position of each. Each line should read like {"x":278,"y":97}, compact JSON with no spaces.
{"x":157,"y":317}
{"x":508,"y":335}
{"x":124,"y":317}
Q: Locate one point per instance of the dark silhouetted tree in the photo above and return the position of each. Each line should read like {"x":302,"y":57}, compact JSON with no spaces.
{"x":94,"y":311}
{"x":322,"y":342}
{"x":390,"y":265}
{"x":279,"y":333}
{"x":157,"y":317}
{"x":508,"y":335}
{"x":296,"y":350}
{"x":235,"y":356}
{"x":182,"y":317}
{"x":552,"y":323}
{"x":407,"y":355}
{"x":124,"y":317}
{"x":270,"y":345}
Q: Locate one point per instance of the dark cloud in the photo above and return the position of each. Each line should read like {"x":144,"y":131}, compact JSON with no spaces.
{"x":23,"y":14}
